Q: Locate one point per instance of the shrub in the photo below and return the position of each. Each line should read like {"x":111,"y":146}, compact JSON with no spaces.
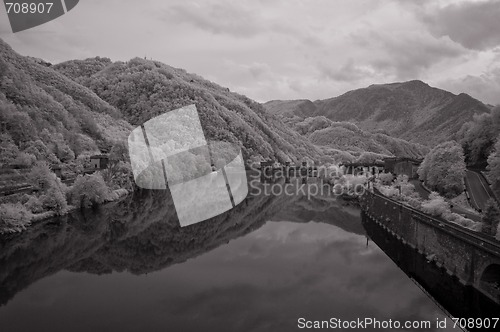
{"x":386,"y":178}
{"x":13,"y":217}
{"x":498,"y":233}
{"x":436,"y":205}
{"x":491,"y":217}
{"x":34,"y":204}
{"x":89,"y":190}
{"x":54,"y":200}
{"x":388,"y":191}
{"x":24,"y":160}
{"x":414,"y":202}
{"x":42,"y":177}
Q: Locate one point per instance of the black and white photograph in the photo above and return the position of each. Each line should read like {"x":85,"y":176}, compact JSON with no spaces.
{"x":249,"y":165}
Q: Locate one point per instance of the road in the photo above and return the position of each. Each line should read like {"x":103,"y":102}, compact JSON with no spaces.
{"x":478,"y":189}
{"x":419,"y":188}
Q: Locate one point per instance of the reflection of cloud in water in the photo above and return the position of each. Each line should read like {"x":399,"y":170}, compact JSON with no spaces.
{"x":269,"y":281}
{"x":259,"y":281}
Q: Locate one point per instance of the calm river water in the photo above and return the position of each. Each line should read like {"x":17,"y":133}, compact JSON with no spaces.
{"x":128,"y":266}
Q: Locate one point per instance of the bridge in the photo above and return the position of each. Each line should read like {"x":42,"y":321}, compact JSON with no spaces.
{"x":473,"y":258}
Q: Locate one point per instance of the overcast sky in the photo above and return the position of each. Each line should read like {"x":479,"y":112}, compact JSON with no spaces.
{"x":287,"y":49}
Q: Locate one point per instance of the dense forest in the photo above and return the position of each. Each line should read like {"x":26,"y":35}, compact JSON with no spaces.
{"x":346,"y":142}
{"x":142,"y":89}
{"x":57,"y":116}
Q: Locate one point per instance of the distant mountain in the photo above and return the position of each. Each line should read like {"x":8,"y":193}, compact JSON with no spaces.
{"x":410,"y":110}
{"x":302,"y":108}
{"x":142,"y":89}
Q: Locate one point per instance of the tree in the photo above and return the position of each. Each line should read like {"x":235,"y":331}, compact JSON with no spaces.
{"x":491,"y":217}
{"x":8,"y":149}
{"x":42,"y":177}
{"x":443,"y":169}
{"x":52,"y":191}
{"x":436,"y":205}
{"x":89,"y":190}
{"x":478,"y":136}
{"x":13,"y":217}
{"x":494,"y":166}
{"x":119,"y":152}
{"x":54,"y":200}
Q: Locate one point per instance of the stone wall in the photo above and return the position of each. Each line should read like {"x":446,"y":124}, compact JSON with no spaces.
{"x":461,"y":252}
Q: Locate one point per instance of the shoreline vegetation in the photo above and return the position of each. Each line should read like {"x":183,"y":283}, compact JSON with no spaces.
{"x":51,"y":197}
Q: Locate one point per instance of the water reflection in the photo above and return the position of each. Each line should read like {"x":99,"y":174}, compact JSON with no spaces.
{"x":445,"y":290}
{"x":239,"y":271}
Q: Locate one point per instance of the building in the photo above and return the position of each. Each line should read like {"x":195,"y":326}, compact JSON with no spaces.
{"x":57,"y":170}
{"x":362,"y":168}
{"x":402,"y":166}
{"x":99,"y":161}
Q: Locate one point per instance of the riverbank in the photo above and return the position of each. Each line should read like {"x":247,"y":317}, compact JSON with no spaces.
{"x":17,"y":226}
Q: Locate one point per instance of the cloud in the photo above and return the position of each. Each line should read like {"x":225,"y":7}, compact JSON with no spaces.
{"x":302,"y":271}
{"x":484,"y":87}
{"x":225,"y":17}
{"x":406,"y":55}
{"x":284,"y":49}
{"x":348,"y":72}
{"x":472,"y":24}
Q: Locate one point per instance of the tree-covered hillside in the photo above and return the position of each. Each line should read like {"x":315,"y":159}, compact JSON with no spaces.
{"x":46,"y":116}
{"x":142,"y":89}
{"x":347,"y":142}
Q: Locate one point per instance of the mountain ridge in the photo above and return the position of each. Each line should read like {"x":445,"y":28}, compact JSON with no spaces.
{"x":412,"y":110}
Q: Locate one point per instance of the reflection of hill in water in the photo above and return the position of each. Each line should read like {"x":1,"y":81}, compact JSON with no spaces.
{"x":323,"y":209}
{"x":139,"y":234}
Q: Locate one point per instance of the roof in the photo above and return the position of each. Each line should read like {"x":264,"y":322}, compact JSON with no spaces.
{"x":99,"y":156}
{"x":399,"y":159}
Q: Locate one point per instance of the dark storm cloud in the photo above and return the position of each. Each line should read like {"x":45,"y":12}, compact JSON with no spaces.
{"x":475,"y":25}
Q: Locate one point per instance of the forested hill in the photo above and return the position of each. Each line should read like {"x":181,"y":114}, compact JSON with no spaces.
{"x":410,"y":110}
{"x":347,"y":142}
{"x":57,"y":112}
{"x":46,"y":116}
{"x":142,"y":89}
